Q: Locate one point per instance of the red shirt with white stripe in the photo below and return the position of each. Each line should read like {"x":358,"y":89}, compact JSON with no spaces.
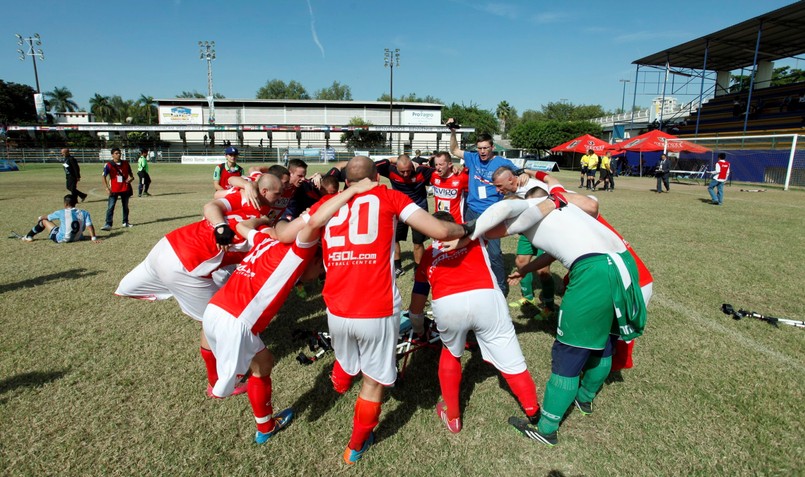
{"x":722,"y":170}
{"x":260,"y":284}
{"x":455,"y":271}
{"x":449,"y":194}
{"x":358,"y":249}
{"x":195,"y":245}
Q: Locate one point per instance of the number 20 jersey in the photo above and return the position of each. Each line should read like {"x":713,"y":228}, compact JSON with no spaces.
{"x":358,"y":249}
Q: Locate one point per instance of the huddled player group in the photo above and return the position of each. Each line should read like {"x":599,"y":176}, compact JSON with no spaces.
{"x":268,"y":230}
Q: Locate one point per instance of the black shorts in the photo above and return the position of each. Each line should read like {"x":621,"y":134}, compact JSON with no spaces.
{"x":584,"y":170}
{"x":569,"y":361}
{"x":402,"y":234}
{"x":603,"y":174}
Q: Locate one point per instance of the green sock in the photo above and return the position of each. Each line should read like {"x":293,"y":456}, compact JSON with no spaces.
{"x":595,"y":373}
{"x":527,"y":286}
{"x":548,"y":290}
{"x":559,"y":394}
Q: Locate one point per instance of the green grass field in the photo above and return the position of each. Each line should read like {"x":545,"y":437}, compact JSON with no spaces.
{"x":92,"y":384}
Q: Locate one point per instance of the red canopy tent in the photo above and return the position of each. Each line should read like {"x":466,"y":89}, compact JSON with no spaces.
{"x":581,"y":144}
{"x":657,"y":140}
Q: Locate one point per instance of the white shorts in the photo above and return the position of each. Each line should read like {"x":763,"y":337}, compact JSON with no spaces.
{"x":486,"y":313}
{"x":161,"y":276}
{"x":233,"y":344}
{"x":366,"y":345}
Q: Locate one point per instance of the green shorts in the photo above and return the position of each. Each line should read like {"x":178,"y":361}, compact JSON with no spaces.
{"x":598,"y":288}
{"x":525,"y":247}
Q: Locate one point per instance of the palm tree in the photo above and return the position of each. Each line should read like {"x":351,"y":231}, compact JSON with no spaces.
{"x":60,"y":99}
{"x":149,"y":104}
{"x":503,"y":113}
{"x":99,"y":106}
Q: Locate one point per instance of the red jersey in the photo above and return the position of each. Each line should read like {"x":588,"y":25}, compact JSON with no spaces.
{"x":358,"y":249}
{"x":449,"y":194}
{"x":260,"y":284}
{"x":119,"y":173}
{"x":456,"y":271}
{"x":722,"y":170}
{"x":195,"y":245}
{"x":643,"y":275}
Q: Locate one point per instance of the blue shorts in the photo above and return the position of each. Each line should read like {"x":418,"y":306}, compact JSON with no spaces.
{"x":569,"y":361}
{"x":54,"y":234}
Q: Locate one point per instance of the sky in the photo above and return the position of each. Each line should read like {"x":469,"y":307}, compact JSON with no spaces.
{"x":528,"y":53}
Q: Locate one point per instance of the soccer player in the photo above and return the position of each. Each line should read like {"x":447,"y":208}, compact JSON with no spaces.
{"x":601,"y":297}
{"x":466,"y":298}
{"x":243,"y":308}
{"x":72,"y":223}
{"x":72,"y":174}
{"x":364,"y":314}
{"x":592,"y":166}
{"x":449,"y":188}
{"x":507,"y":183}
{"x":181,"y":264}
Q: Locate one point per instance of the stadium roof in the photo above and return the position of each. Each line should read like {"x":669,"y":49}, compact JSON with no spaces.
{"x":782,"y":36}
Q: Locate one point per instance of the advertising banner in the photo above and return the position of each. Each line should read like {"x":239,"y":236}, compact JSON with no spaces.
{"x":180,"y":115}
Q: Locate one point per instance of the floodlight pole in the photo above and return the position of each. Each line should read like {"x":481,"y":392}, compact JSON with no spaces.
{"x":32,"y":52}
{"x":623,"y":96}
{"x":389,"y":57}
{"x":208,"y":53}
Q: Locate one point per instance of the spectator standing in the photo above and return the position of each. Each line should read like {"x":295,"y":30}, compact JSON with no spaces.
{"x":720,"y":176}
{"x":481,"y":190}
{"x":72,"y":173}
{"x":663,"y":173}
{"x":142,"y":173}
{"x":117,"y":179}
{"x":225,"y":170}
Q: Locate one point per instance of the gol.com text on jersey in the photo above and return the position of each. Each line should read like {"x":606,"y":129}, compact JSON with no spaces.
{"x":350,"y":257}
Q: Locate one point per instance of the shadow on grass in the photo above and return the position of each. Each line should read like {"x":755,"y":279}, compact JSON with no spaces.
{"x":53,"y":277}
{"x":168,"y":219}
{"x":29,"y":380}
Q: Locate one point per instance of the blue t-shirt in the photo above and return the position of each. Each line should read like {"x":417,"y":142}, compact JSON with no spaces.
{"x":72,"y":223}
{"x":482,"y":192}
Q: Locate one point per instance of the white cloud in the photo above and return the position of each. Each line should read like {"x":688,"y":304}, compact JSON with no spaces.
{"x":313,"y":29}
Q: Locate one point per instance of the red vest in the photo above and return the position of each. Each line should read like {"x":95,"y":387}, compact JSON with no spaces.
{"x":122,"y":170}
{"x":724,"y":169}
{"x":223,"y":181}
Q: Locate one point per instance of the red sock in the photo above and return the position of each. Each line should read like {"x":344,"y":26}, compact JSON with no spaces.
{"x":523,"y":387}
{"x":367,"y":415}
{"x":259,"y":390}
{"x":450,"y":381}
{"x":622,"y":358}
{"x":341,"y":380}
{"x":210,"y":364}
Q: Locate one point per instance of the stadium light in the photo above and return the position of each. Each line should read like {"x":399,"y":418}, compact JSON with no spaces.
{"x":207,"y":52}
{"x":623,"y":97}
{"x":32,"y":42}
{"x":390,"y":57}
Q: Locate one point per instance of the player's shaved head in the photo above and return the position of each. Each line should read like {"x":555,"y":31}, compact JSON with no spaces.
{"x":359,"y":168}
{"x":269,"y":182}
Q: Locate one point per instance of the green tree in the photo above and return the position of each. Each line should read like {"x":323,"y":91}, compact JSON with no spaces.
{"x":780,"y":76}
{"x":506,"y":114}
{"x":362,"y":138}
{"x":196,"y":95}
{"x":60,"y":100}
{"x":538,"y":136}
{"x":411,"y":98}
{"x":336,"y":92}
{"x":16,"y":103}
{"x":100,"y":107}
{"x":482,"y":120}
{"x":277,"y":89}
{"x":149,"y":105}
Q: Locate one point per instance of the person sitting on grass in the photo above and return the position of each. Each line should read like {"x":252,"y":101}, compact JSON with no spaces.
{"x":72,"y":224}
